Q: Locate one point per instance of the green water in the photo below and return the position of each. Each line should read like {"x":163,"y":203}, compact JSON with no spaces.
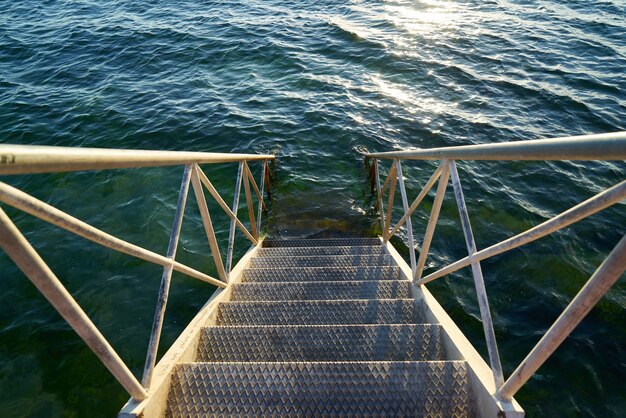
{"x":317,"y":84}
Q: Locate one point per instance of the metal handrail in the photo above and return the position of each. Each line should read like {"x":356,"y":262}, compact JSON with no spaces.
{"x":19,"y":159}
{"x":588,"y":147}
{"x":607,"y":147}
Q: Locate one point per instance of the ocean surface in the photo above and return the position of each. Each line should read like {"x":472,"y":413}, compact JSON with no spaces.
{"x":317,"y":83}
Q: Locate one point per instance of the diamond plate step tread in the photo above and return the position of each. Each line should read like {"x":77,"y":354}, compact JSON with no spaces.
{"x":321,"y":343}
{"x":341,"y":290}
{"x":319,"y":261}
{"x":343,"y":389}
{"x":303,"y":274}
{"x":329,"y":250}
{"x":377,"y":311}
{"x":320,"y":242}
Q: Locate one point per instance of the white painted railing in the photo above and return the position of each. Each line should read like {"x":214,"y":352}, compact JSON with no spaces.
{"x":588,"y":147}
{"x":19,"y":159}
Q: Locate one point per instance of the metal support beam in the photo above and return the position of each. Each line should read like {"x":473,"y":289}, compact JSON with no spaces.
{"x":207,"y":223}
{"x":409,"y":225}
{"x":231,"y":232}
{"x":432,"y":220}
{"x":379,"y":197}
{"x":392,"y":193}
{"x":587,"y":208}
{"x":479,"y":281}
{"x":429,"y":185}
{"x":166,"y":279}
{"x":600,"y":282}
{"x":249,"y":202}
{"x":28,"y":260}
{"x":41,"y":210}
{"x":262,"y":202}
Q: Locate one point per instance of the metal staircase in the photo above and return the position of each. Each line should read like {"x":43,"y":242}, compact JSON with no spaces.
{"x":321,"y":328}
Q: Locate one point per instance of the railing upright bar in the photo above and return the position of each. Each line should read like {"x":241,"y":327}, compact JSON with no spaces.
{"x":390,"y":175}
{"x":231,"y":232}
{"x":208,"y":224}
{"x":392,"y":194}
{"x":600,"y":282}
{"x":205,"y":180}
{"x":166,"y":278}
{"x":429,"y":185}
{"x":409,"y":224}
{"x":379,"y":196}
{"x":249,"y":202}
{"x":432,"y":220}
{"x":584,"y":209}
{"x":26,"y":203}
{"x":261,"y":202}
{"x":28,"y":260}
{"x":255,"y":187}
{"x":479,"y":281}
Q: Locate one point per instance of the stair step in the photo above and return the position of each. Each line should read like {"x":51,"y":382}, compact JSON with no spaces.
{"x":320,"y":242}
{"x":321,"y":343}
{"x":322,"y":261}
{"x":330,"y":250}
{"x":388,"y":289}
{"x":425,"y":389}
{"x":376,"y":311}
{"x":316,"y":274}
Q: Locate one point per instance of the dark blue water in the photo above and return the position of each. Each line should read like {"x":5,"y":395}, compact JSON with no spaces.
{"x":317,"y":83}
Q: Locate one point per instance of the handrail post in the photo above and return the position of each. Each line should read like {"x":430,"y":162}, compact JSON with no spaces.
{"x":479,"y":281}
{"x":600,"y":282}
{"x":32,"y":265}
{"x":231,"y":232}
{"x":409,"y":225}
{"x":379,"y":197}
{"x":249,"y":202}
{"x":261,"y":203}
{"x":432,"y":220}
{"x":166,"y":278}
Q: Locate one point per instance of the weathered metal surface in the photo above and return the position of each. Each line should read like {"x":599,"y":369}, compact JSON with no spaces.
{"x":322,"y":389}
{"x":321,"y":343}
{"x":329,"y":290}
{"x":321,"y":274}
{"x":383,"y":311}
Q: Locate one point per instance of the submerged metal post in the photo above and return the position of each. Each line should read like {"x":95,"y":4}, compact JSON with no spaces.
{"x":157,"y":325}
{"x":409,"y":225}
{"x":479,"y":281}
{"x":600,"y":282}
{"x":231,"y":232}
{"x":261,"y":203}
{"x":30,"y":262}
